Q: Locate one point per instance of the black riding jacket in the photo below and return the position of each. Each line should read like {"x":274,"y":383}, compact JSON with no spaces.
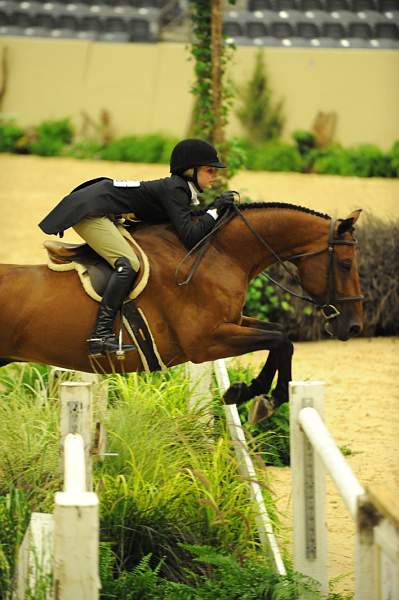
{"x":158,"y":201}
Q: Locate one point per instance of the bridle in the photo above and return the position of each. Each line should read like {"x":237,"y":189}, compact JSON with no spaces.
{"x":327,"y":306}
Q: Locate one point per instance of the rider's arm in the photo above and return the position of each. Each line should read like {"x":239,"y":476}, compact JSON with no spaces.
{"x":177,"y":205}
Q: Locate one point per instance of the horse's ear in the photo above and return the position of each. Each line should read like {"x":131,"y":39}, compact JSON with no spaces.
{"x":348,"y":223}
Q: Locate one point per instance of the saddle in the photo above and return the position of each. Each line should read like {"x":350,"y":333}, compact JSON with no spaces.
{"x":94,"y":273}
{"x":93,"y":270}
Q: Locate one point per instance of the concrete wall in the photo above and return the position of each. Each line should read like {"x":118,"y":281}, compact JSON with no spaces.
{"x":146,"y":88}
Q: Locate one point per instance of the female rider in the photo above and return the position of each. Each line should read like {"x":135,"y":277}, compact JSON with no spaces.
{"x":93,"y":207}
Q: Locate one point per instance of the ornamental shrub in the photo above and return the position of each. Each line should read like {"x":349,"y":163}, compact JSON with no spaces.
{"x":262,"y":118}
{"x":369,"y":161}
{"x":394,"y":156}
{"x":274,"y":156}
{"x":153,"y":148}
{"x":10,"y":133}
{"x":50,"y":137}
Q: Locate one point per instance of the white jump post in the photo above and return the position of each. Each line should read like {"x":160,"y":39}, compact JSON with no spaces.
{"x":265,"y":528}
{"x":313,"y":451}
{"x":200,"y":399}
{"x":76,"y":529}
{"x":76,"y":417}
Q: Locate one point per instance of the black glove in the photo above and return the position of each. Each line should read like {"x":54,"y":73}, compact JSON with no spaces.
{"x":224,"y":202}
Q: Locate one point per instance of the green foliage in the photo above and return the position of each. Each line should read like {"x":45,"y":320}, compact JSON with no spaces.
{"x":51,"y":137}
{"x":270,"y":438}
{"x":223,"y":578}
{"x":305,"y":141}
{"x":394,"y":154}
{"x":29,"y":433}
{"x":264,"y":302}
{"x":14,"y":518}
{"x":205,"y":121}
{"x":146,"y":148}
{"x":85,"y":149}
{"x":262,"y":118}
{"x":364,"y":160}
{"x":274,"y":156}
{"x":10,"y":133}
{"x":54,"y":138}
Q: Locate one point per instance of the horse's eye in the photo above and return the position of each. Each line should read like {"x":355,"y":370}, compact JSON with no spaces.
{"x":345,"y":265}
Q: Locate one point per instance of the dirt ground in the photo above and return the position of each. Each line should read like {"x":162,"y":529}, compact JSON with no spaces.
{"x":362,"y":394}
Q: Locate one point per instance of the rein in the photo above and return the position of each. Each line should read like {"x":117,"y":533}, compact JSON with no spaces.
{"x":327,"y":307}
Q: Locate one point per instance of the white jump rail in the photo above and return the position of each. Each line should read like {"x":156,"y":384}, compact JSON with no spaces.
{"x":313,"y":453}
{"x":264,"y":525}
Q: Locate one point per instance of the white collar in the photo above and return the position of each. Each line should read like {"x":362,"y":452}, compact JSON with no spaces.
{"x":194,"y":193}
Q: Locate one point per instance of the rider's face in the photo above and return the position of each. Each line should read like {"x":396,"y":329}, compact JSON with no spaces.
{"x":206,"y":176}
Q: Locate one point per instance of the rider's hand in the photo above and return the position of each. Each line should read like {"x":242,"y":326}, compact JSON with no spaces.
{"x":224,"y":202}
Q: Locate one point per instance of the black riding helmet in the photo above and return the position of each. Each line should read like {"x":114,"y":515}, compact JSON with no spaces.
{"x":193,"y":153}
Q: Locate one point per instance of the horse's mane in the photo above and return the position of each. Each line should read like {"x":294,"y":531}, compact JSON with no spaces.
{"x":244,"y":206}
{"x":252,"y":205}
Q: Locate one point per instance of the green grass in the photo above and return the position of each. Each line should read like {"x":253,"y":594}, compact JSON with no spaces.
{"x":176,"y":517}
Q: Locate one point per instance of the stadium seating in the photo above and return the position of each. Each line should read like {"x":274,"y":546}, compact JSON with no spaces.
{"x":313,"y":23}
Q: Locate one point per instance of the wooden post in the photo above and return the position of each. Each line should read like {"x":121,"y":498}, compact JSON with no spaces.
{"x":35,"y":556}
{"x":308,"y":488}
{"x":76,"y":529}
{"x":59,"y":375}
{"x":216,"y":44}
{"x":265,"y":528}
{"x":76,"y":417}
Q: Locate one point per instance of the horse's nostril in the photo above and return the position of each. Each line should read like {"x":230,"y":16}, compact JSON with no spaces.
{"x":354,"y":330}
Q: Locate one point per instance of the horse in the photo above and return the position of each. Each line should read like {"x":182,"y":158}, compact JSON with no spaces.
{"x":46,"y":316}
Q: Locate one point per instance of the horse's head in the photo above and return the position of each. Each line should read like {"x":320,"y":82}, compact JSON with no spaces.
{"x":331,"y":277}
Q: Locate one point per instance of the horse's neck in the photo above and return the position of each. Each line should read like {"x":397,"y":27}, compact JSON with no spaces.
{"x":286,"y":231}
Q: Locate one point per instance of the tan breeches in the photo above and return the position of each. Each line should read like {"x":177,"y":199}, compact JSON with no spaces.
{"x":103,"y":236}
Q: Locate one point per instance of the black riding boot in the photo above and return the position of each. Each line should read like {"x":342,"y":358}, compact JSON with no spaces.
{"x":103,"y":338}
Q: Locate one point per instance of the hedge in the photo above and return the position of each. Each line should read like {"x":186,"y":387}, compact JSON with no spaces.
{"x":57,"y":138}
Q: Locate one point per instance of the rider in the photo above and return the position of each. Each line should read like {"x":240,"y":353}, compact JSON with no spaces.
{"x":93,"y":207}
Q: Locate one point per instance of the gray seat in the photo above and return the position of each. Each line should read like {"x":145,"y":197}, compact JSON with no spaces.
{"x":311,"y":5}
{"x":232,"y":29}
{"x":340,"y":10}
{"x":281,"y":30}
{"x":386,"y":31}
{"x":91,"y":24}
{"x":256,"y":29}
{"x":333,"y":30}
{"x":140,"y":30}
{"x":308,"y":31}
{"x":254,"y":5}
{"x":115,"y":25}
{"x":359,"y":30}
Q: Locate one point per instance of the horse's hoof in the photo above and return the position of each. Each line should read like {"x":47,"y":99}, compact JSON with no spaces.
{"x":234,"y":394}
{"x":262,"y":407}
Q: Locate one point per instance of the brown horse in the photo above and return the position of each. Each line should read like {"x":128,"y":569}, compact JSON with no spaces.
{"x":46,"y":316}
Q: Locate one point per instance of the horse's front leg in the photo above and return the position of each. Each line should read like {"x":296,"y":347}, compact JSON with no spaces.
{"x":234,"y":340}
{"x":279,"y":359}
